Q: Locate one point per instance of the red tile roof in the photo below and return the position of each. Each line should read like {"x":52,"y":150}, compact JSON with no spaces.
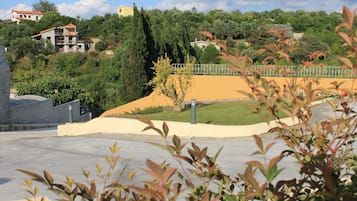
{"x":70,"y":25}
{"x":27,"y":12}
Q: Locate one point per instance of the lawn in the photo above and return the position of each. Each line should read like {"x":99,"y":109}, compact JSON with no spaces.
{"x":228,"y":113}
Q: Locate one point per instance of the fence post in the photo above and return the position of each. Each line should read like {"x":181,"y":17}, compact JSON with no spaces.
{"x":70,"y":113}
{"x":193,"y":111}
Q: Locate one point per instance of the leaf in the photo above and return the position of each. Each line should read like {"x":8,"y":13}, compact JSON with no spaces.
{"x":249,"y":178}
{"x":158,"y":131}
{"x":265,"y":84}
{"x":345,"y":37}
{"x":332,"y":104}
{"x":284,"y":55}
{"x":259,"y":142}
{"x":165,"y":147}
{"x":31,"y":193}
{"x":114,"y":148}
{"x":28,"y":183}
{"x":147,"y":128}
{"x":34,"y":176}
{"x":214,"y":158}
{"x":346,"y":61}
{"x":258,"y":165}
{"x":82,"y":187}
{"x":176,"y":140}
{"x":165,"y":128}
{"x":108,"y":158}
{"x":131,"y":174}
{"x":274,"y":161}
{"x":85,"y":173}
{"x":260,"y":51}
{"x":207,"y":34}
{"x":348,"y":15}
{"x":35,"y":191}
{"x":258,"y":152}
{"x":156,"y":170}
{"x":168,"y":174}
{"x":268,"y":147}
{"x":145,"y":121}
{"x":93,"y":188}
{"x":341,"y":25}
{"x":99,"y":168}
{"x":69,"y":181}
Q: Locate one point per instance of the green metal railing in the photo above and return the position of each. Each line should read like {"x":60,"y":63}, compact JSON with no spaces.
{"x":273,"y":71}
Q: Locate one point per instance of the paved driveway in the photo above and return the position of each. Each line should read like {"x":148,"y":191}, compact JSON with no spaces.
{"x":63,"y":156}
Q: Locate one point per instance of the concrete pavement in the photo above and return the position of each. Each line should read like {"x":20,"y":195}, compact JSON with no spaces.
{"x":39,"y":150}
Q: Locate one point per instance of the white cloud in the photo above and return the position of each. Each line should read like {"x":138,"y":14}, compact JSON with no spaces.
{"x":6,"y":14}
{"x":183,"y":5}
{"x":85,"y":8}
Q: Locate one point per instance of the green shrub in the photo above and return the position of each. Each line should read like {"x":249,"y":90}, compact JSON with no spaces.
{"x":101,"y":46}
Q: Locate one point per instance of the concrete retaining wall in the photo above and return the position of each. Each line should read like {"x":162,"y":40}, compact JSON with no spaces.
{"x":42,"y":111}
{"x":4,"y":86}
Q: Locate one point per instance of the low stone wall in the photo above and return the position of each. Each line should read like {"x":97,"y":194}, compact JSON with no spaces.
{"x":39,"y":110}
{"x":113,"y":125}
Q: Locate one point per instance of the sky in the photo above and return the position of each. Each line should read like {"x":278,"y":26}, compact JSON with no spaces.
{"x":89,"y":8}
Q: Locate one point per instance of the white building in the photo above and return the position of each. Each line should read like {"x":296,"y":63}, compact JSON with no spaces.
{"x":63,"y":39}
{"x":21,"y":15}
{"x":203,"y":44}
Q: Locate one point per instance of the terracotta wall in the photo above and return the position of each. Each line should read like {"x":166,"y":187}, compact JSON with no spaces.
{"x":214,"y":88}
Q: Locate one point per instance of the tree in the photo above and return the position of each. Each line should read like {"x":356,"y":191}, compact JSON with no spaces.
{"x":133,"y":73}
{"x":176,"y":87}
{"x":60,"y":89}
{"x":52,"y":19}
{"x":307,"y":45}
{"x":21,"y":47}
{"x":44,"y":6}
{"x":101,"y":46}
{"x":209,"y":55}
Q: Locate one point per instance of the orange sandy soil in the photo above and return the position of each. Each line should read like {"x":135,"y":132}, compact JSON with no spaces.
{"x":214,"y":88}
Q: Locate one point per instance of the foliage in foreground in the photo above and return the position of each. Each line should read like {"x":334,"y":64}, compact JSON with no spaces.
{"x":323,"y":150}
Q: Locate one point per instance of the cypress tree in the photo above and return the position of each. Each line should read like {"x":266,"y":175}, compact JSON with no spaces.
{"x":133,"y":73}
{"x":152,"y":55}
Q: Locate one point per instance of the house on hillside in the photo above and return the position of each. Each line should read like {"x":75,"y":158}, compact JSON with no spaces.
{"x":21,"y":15}
{"x":124,"y":11}
{"x":203,"y":44}
{"x":63,"y":39}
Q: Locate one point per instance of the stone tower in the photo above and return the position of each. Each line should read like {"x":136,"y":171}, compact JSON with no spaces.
{"x":4,"y":87}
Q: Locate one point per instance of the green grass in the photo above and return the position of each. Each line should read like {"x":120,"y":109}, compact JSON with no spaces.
{"x":228,"y":113}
